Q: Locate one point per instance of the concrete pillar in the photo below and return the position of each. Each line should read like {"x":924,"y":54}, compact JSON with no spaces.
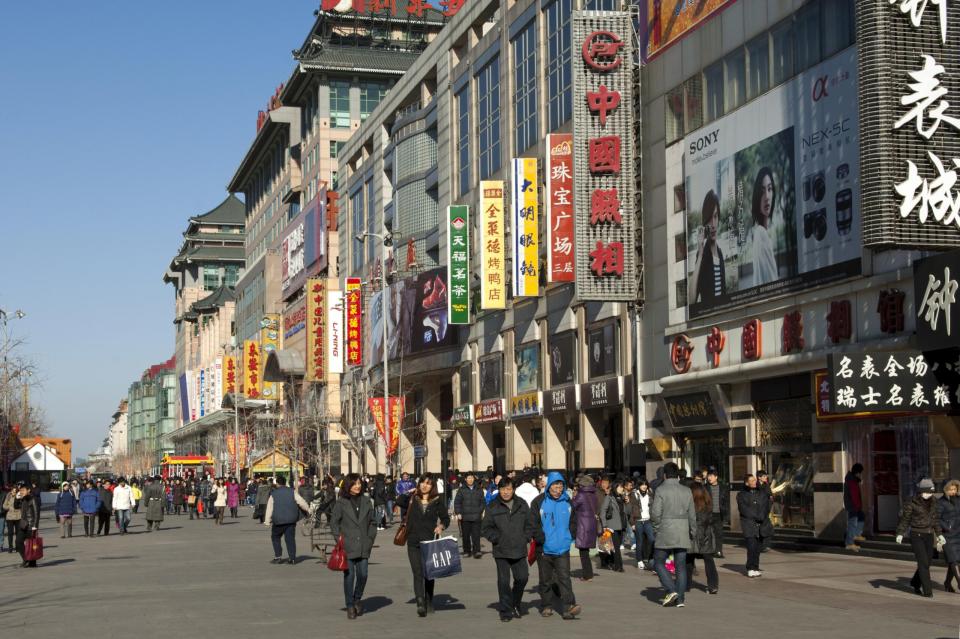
{"x":519,"y":439}
{"x":554,"y":453}
{"x":483,"y":450}
{"x":462,"y":443}
{"x":431,"y":411}
{"x":591,"y":447}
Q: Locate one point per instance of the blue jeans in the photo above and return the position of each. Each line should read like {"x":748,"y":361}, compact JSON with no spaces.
{"x":644,"y":540}
{"x":680,"y":564}
{"x":854,"y":526}
{"x":354,"y":581}
{"x":123,"y":517}
{"x":389,"y":511}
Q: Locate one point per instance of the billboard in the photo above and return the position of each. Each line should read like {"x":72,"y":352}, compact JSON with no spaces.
{"x":773,"y":192}
{"x":269,"y":343}
{"x":526,"y":256}
{"x":665,"y":22}
{"x":528,"y":368}
{"x":559,"y":199}
{"x":458,"y":264}
{"x":316,"y":355}
{"x":493,"y":273}
{"x":430,"y":326}
{"x":604,"y":180}
{"x":893,"y":382}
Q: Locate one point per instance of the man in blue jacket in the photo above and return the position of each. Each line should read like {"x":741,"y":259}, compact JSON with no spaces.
{"x":555,"y":527}
{"x":89,"y":506}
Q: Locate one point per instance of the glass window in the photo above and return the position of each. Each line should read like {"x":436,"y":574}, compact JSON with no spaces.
{"x":602,"y":353}
{"x":674,"y":115}
{"x":681,"y":290}
{"x":491,"y":377}
{"x":466,"y":397}
{"x":784,"y":46}
{"x":335,"y":148}
{"x":525,"y":87}
{"x":758,"y":58}
{"x":735,"y":66}
{"x":713,"y":79}
{"x":371,"y":93}
{"x":559,"y":68}
{"x":488,"y":116}
{"x":334,"y":182}
{"x":371,"y":222}
{"x":528,"y":368}
{"x":838,"y":26}
{"x":231,"y":275}
{"x":602,"y":5}
{"x":807,"y":26}
{"x":356,"y":209}
{"x":693,"y":99}
{"x":463,"y":139}
{"x":680,"y":247}
{"x":211,"y":278}
{"x":340,"y":105}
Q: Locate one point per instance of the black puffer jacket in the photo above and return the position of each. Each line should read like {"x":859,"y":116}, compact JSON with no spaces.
{"x":29,"y":513}
{"x":920,"y":516}
{"x":704,"y":539}
{"x":470,"y":503}
{"x":508,"y":528}
{"x":754,"y":506}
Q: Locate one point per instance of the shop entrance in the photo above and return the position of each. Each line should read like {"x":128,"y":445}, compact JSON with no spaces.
{"x":709,"y":448}
{"x":612,"y":437}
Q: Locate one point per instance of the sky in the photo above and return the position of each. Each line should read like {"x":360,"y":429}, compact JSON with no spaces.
{"x":118,"y":121}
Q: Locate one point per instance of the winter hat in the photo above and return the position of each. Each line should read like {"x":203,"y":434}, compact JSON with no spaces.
{"x":925,"y":485}
{"x":586,"y":480}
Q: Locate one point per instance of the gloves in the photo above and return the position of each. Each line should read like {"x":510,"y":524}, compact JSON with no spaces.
{"x":899,"y":539}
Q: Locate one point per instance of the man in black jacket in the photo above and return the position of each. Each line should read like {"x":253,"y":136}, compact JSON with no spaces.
{"x":468,"y":507}
{"x":754,"y":506}
{"x":106,"y":508}
{"x":721,"y":506}
{"x":507,"y":525}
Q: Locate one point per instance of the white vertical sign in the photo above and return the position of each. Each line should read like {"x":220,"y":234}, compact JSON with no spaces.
{"x":335,"y":328}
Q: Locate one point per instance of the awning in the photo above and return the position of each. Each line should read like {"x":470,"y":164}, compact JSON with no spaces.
{"x":202,"y":425}
{"x":230,"y":401}
{"x":283,"y":364}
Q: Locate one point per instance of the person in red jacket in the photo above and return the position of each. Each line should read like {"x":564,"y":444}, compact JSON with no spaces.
{"x":853,"y":504}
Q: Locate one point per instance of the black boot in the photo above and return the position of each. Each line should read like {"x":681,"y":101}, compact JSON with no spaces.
{"x":430,"y":604}
{"x":421,"y":607}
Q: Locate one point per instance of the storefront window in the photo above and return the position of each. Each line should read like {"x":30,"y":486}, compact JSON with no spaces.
{"x":602,"y":342}
{"x":785,"y":434}
{"x":491,"y":378}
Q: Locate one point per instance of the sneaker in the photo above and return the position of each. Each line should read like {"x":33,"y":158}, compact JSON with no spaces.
{"x":477,"y":555}
{"x":276,"y":560}
{"x":753,"y":573}
{"x":852,"y":548}
{"x":669,"y":600}
{"x":546,"y":612}
{"x":680,"y":604}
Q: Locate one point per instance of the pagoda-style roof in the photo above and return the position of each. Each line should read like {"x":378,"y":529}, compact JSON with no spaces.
{"x":229,"y":212}
{"x":215,"y":300}
{"x":347,"y":59}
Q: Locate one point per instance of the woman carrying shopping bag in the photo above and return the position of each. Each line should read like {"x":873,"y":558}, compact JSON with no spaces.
{"x":354,"y":520}
{"x":427,"y":517}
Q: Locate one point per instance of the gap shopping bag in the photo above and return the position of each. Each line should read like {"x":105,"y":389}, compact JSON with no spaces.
{"x":441,"y":558}
{"x":33,"y":547}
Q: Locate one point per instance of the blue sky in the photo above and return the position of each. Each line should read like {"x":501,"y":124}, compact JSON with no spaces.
{"x":118,"y":121}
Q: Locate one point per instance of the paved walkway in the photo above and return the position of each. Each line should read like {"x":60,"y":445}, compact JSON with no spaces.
{"x":193,"y":577}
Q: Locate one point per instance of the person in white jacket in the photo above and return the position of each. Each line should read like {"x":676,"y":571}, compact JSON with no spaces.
{"x":122,"y":504}
{"x":219,"y":496}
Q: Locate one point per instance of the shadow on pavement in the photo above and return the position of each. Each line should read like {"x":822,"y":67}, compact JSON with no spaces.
{"x":900,"y":583}
{"x":737,"y":568}
{"x":447,"y":602}
{"x":373,"y":604}
{"x":55,"y":562}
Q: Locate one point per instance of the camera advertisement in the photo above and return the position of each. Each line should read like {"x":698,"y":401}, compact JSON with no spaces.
{"x":772,"y":192}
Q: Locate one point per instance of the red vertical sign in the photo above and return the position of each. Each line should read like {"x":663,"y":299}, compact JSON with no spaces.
{"x":560,"y":234}
{"x":354,"y":322}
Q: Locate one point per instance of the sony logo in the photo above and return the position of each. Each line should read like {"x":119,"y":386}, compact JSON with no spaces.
{"x":704,"y":141}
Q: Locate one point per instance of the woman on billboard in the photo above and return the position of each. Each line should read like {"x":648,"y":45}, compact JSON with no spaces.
{"x":709,"y":280}
{"x":764,"y":199}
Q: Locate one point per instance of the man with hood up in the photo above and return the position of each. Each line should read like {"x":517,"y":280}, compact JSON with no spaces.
{"x":555,"y":527}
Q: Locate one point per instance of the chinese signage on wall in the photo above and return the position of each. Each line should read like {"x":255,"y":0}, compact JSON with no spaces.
{"x":488,"y":412}
{"x":316,"y":364}
{"x":901,"y":381}
{"x":335,"y":331}
{"x":229,"y":375}
{"x":399,"y":8}
{"x":458,"y":264}
{"x":559,"y":201}
{"x":935,"y":283}
{"x":354,"y":322}
{"x":526,"y":254}
{"x":251,"y":369}
{"x":493,"y":274}
{"x":773,"y":192}
{"x":603,"y":184}
{"x":390,"y":434}
{"x":693,"y":409}
{"x":269,"y":343}
{"x":909,"y":70}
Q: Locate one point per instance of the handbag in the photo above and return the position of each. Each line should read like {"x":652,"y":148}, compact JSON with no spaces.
{"x":33,"y":548}
{"x":400,"y":539}
{"x":441,"y":558}
{"x":338,"y":558}
{"x":192,"y":499}
{"x":532,"y":553}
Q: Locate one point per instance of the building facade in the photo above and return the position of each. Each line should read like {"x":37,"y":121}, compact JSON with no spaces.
{"x":118,"y":431}
{"x":152,"y":415}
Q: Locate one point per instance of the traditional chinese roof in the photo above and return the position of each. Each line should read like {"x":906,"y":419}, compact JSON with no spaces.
{"x":229,"y":212}
{"x":215,"y":300}
{"x":359,"y":60}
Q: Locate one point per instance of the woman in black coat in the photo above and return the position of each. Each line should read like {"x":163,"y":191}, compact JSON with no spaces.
{"x":703,"y":543}
{"x":949,"y":509}
{"x":29,"y":521}
{"x":427,"y":517}
{"x":353,"y":518}
{"x":754,"y":506}
{"x":920,"y":518}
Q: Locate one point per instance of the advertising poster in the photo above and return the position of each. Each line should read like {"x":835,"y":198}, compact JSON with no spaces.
{"x":335,"y":332}
{"x":430,"y":325}
{"x":528,"y":368}
{"x":269,"y":342}
{"x":563,"y":363}
{"x":667,"y":21}
{"x":526,"y":282}
{"x":251,"y":369}
{"x":491,"y":377}
{"x":560,"y":231}
{"x":772,"y":192}
{"x":458,"y":264}
{"x":493,"y":264}
{"x":354,"y":322}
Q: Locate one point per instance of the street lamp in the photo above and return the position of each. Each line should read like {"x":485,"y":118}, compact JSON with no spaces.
{"x":387,"y":241}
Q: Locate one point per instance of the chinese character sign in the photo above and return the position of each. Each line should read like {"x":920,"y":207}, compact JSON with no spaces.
{"x":458,"y":264}
{"x":229,"y":375}
{"x":316,"y":355}
{"x":936,"y":280}
{"x":559,"y":200}
{"x":354,"y":322}
{"x":251,"y":369}
{"x":526,"y":254}
{"x":493,"y":273}
{"x":389,"y":432}
{"x":269,"y":343}
{"x":335,"y":332}
{"x":605,"y":257}
{"x":900,"y":382}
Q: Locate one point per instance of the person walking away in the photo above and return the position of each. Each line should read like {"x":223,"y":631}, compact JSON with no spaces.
{"x":584,"y":508}
{"x":11,"y":507}
{"x":28,"y":523}
{"x":219,"y":495}
{"x":719,"y":497}
{"x":949,"y":511}
{"x":354,"y":519}
{"x":66,"y":508}
{"x":703,"y":542}
{"x":921,"y":518}
{"x":853,"y":505}
{"x":526,"y":490}
{"x":468,"y":506}
{"x":754,"y":506}
{"x":555,"y":526}
{"x":508,"y":526}
{"x":673,"y":517}
{"x":89,"y":506}
{"x":405,"y":488}
{"x":123,"y":504}
{"x":281,"y":516}
{"x":155,"y":501}
{"x":613,"y":519}
{"x":644,"y":526}
{"x":206,"y":487}
{"x":379,"y":501}
{"x":426,"y":518}
{"x":263,"y":496}
{"x":390,"y":493}
{"x":766,"y":528}
{"x":106,"y":508}
{"x":233,"y":498}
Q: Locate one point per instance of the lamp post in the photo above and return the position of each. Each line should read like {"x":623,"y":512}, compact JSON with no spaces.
{"x":5,"y":432}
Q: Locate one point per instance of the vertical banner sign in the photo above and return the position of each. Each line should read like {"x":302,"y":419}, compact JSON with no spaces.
{"x":603,"y":159}
{"x":375,"y":404}
{"x":229,"y":375}
{"x":316,"y":328}
{"x":493,"y":274}
{"x":335,"y":332}
{"x":397,"y":408}
{"x":203,"y":393}
{"x":526,"y":262}
{"x":354,"y":322}
{"x":251,"y":369}
{"x":458,"y":265}
{"x":269,"y":343}
{"x":218,"y":386}
{"x":560,"y":232}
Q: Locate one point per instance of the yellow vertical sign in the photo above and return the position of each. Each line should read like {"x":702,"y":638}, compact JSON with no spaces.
{"x":269,"y":342}
{"x":251,"y":369}
{"x":493,"y":274}
{"x":526,"y":255}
